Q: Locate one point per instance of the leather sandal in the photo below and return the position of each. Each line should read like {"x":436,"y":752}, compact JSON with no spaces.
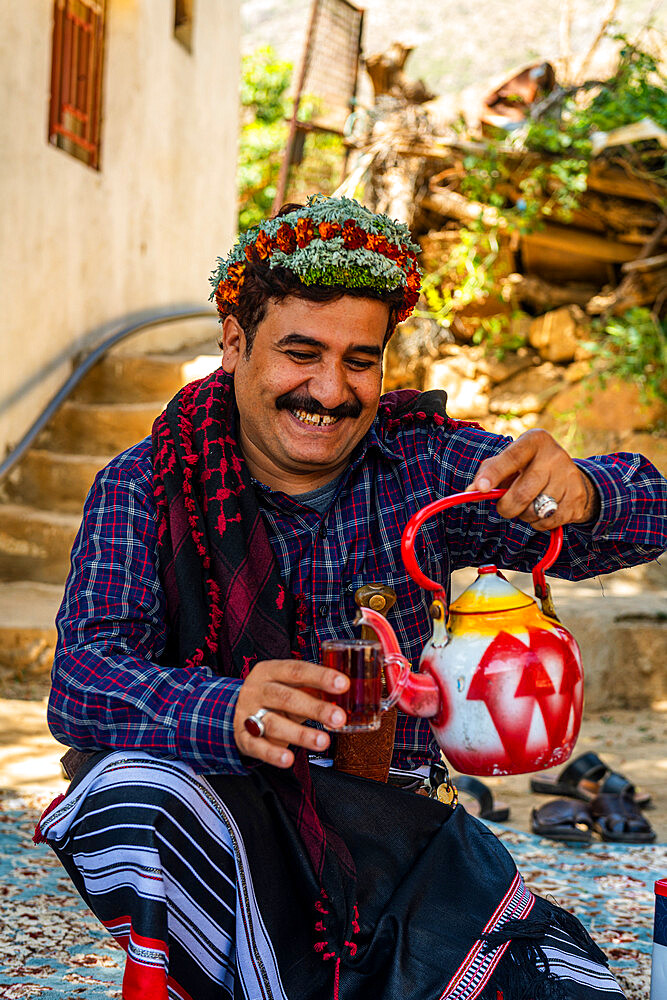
{"x":482,"y":804}
{"x":618,"y":820}
{"x":563,"y":819}
{"x":584,"y":778}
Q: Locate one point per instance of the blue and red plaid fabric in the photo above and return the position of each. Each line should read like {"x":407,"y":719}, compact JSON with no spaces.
{"x":109,"y":687}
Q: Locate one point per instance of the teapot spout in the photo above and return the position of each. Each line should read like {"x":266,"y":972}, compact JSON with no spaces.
{"x":420,"y":695}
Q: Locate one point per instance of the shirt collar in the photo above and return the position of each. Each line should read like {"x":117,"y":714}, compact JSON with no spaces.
{"x":374,"y":440}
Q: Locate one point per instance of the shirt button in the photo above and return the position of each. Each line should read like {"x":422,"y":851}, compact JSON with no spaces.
{"x":323,"y":530}
{"x":351,"y":588}
{"x":323,"y":610}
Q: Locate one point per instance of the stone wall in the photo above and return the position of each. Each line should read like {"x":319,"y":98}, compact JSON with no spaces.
{"x":552,"y":382}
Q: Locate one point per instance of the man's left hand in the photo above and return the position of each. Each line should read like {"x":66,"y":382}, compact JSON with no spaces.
{"x":535,"y":463}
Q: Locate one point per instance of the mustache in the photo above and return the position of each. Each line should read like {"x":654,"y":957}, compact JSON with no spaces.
{"x":301,"y":401}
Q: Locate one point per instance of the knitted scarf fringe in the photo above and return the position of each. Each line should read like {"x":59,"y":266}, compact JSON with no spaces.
{"x":523,"y":973}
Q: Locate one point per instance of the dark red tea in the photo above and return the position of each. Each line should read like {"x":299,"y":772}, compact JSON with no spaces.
{"x":361,"y":660}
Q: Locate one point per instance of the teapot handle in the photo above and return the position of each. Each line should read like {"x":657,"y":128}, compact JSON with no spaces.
{"x":416,"y":521}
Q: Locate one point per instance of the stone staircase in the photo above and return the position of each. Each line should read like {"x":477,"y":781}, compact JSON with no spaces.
{"x":40,"y":510}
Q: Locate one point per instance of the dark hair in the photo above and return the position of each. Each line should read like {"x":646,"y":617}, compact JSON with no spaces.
{"x":263,"y":284}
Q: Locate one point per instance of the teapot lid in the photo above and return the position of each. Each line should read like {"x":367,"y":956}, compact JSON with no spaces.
{"x":490,"y":593}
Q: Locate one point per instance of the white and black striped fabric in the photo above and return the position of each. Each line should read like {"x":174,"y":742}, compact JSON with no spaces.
{"x":159,"y":858}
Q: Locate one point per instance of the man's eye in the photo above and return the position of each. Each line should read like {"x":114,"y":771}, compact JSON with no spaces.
{"x":359,"y":364}
{"x":301,"y":355}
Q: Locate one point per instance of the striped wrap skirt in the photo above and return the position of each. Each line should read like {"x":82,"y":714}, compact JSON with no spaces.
{"x":160,"y":859}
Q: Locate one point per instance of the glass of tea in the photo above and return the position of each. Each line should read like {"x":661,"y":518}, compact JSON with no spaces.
{"x":362,"y":660}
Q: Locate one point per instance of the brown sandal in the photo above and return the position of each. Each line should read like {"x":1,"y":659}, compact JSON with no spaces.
{"x":585,"y":777}
{"x":618,"y":820}
{"x":563,"y":819}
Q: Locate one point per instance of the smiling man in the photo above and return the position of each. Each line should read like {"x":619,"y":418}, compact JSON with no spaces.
{"x":212,"y":562}
{"x":308,"y":388}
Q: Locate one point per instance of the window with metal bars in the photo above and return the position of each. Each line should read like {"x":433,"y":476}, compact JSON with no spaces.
{"x":75,"y":112}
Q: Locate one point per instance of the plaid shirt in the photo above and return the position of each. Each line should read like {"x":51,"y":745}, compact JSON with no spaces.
{"x":109,"y":687}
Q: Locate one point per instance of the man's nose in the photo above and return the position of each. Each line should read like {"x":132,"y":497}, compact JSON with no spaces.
{"x":330,"y":386}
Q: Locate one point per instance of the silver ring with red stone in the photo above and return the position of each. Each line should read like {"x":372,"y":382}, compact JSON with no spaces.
{"x":255,"y":724}
{"x":544,"y":505}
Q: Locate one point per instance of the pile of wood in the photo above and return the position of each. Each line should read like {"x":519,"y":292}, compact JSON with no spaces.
{"x":558,"y":274}
{"x":609,"y":255}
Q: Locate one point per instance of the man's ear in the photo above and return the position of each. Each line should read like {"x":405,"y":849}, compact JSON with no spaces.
{"x":232,"y":343}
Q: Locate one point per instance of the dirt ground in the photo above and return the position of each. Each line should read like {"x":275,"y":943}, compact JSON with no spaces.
{"x":632,"y":742}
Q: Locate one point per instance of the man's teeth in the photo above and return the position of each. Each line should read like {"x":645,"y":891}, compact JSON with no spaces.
{"x":316,"y":419}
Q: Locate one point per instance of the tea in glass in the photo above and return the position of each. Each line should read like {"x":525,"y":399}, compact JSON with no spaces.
{"x":361,"y":660}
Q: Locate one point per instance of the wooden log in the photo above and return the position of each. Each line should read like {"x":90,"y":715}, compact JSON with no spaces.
{"x":579,"y":242}
{"x":654,"y":240}
{"x":452,"y":205}
{"x":595,"y":212}
{"x":559,"y":267}
{"x":646,"y":264}
{"x":619,"y":214}
{"x":638,"y":237}
{"x":608,"y":179}
{"x":542,"y":296}
{"x":645,"y":279}
{"x":639,"y":288}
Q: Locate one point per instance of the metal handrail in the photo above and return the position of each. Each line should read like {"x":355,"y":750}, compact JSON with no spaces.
{"x":155,"y":317}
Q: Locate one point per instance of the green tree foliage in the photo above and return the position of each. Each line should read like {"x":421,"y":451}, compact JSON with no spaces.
{"x":633,"y":347}
{"x":540,"y":170}
{"x":562,"y":137}
{"x":264,"y":109}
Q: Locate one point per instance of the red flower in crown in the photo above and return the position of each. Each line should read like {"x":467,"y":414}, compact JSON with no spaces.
{"x":263,"y":245}
{"x":328,"y":230}
{"x":227,"y":295}
{"x":374,"y":242}
{"x":285,"y":238}
{"x":414,"y":281}
{"x":353,"y":235}
{"x":236,"y":271}
{"x":392,"y":251}
{"x":304,"y":232}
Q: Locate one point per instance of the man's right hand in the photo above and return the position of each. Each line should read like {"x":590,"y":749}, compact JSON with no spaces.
{"x":282,"y":687}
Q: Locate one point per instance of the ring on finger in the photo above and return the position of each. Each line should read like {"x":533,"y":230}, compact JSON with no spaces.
{"x":544,"y":505}
{"x":255,"y":724}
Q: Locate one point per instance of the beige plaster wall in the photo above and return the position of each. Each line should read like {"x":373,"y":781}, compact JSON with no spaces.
{"x":81,"y":247}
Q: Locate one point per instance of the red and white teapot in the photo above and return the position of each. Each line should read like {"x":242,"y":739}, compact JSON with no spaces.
{"x":501,"y":681}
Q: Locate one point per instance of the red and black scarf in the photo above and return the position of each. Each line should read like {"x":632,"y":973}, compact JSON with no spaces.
{"x":227,"y":606}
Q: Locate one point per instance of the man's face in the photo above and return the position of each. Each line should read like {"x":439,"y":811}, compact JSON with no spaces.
{"x":309,"y":390}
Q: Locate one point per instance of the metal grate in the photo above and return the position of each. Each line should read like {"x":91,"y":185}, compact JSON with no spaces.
{"x":331,"y":63}
{"x":76,"y":78}
{"x":327,"y":76}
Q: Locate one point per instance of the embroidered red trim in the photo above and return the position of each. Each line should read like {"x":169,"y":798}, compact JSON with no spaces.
{"x":319,"y":946}
{"x":38,"y":837}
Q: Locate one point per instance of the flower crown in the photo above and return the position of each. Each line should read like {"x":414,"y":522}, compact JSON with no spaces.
{"x":331,"y":241}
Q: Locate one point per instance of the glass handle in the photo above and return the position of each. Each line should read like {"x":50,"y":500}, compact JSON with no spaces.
{"x":403,"y":664}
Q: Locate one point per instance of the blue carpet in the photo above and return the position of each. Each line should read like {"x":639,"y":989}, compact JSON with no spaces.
{"x":608,"y":886}
{"x":50,"y":946}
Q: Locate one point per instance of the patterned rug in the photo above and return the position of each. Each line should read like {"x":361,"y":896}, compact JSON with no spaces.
{"x":52,"y":947}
